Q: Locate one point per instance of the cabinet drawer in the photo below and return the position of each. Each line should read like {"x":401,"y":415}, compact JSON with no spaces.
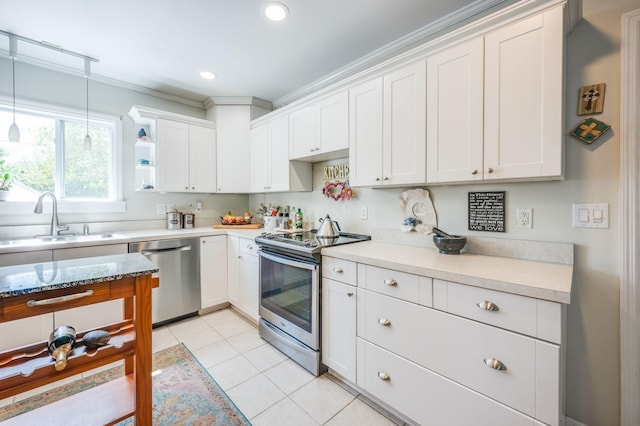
{"x":461,"y":350}
{"x":533,"y":317}
{"x":339,"y":270}
{"x":248,"y":246}
{"x":409,"y":287}
{"x":426,"y":397}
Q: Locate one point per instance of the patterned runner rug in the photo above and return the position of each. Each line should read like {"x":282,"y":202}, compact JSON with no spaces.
{"x":183,"y":393}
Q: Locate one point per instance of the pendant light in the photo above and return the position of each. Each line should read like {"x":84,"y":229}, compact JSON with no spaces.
{"x":14,"y":130}
{"x":87,"y":73}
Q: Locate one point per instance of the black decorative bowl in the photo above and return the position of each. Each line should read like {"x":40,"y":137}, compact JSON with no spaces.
{"x":447,"y":245}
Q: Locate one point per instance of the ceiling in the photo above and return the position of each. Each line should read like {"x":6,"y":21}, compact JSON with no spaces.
{"x":164,"y":44}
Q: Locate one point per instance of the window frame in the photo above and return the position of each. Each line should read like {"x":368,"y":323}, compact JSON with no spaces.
{"x":61,"y":114}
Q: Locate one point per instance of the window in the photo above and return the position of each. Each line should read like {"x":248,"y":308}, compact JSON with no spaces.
{"x":51,"y":156}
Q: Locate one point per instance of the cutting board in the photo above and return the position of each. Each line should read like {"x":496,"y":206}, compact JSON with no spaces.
{"x":247,"y":226}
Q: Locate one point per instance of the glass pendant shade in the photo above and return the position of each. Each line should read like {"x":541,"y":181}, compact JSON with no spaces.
{"x":14,"y":130}
{"x":87,"y":138}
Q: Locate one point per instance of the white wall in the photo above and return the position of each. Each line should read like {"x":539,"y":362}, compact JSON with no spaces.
{"x":36,"y":84}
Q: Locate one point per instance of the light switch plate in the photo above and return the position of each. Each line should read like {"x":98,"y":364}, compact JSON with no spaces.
{"x":591,"y":215}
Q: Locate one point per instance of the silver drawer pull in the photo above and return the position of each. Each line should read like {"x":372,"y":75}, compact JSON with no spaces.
{"x":383,"y":376}
{"x":495,"y":364}
{"x":391,"y":282}
{"x":384,"y":321}
{"x":338,"y":270}
{"x":61,"y":299}
{"x":350,"y":294}
{"x":488,"y":306}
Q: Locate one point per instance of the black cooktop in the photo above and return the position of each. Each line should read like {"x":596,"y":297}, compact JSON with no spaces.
{"x":307,"y":241}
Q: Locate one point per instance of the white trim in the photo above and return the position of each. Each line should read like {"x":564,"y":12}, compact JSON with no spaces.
{"x":142,"y":114}
{"x":72,"y":207}
{"x":630,"y":218}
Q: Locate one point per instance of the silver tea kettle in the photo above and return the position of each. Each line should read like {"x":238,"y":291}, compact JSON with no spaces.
{"x":328,"y":228}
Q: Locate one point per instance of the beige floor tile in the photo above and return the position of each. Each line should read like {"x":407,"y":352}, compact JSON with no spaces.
{"x":284,"y":413}
{"x":215,"y":353}
{"x":359,"y":413}
{"x":188,"y":325}
{"x":233,"y":327}
{"x":289,"y":376}
{"x":233,"y":372}
{"x":255,"y":395}
{"x":265,"y":357}
{"x":322,"y":398}
{"x":220,"y":317}
{"x":197,"y":339}
{"x":246,"y":341}
{"x":162,"y":338}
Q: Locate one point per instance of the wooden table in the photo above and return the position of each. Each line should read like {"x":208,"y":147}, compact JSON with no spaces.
{"x":81,"y":282}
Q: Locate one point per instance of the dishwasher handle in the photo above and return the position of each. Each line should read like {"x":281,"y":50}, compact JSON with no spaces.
{"x":149,"y":252}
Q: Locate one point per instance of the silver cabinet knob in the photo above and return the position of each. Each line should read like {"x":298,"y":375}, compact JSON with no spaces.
{"x":186,"y":187}
{"x":490,"y":170}
{"x":193,"y":188}
{"x":377,"y":179}
{"x":384,"y":321}
{"x":350,"y":294}
{"x":495,"y":364}
{"x":474,"y":172}
{"x":338,"y":270}
{"x":386,"y":178}
{"x":383,"y":376}
{"x":488,"y":306}
{"x":391,"y":282}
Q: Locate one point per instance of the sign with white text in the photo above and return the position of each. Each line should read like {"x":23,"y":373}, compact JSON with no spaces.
{"x":486,"y":211}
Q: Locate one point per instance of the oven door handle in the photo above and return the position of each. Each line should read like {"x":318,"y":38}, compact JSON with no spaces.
{"x":288,"y":261}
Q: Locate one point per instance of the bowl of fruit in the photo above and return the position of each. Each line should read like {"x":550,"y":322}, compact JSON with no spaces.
{"x":231,"y":219}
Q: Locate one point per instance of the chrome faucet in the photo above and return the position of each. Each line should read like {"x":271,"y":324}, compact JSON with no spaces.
{"x":55,"y":225}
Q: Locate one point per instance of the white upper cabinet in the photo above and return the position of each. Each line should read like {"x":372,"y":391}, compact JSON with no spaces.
{"x":320,"y":130}
{"x":455,"y":112}
{"x":234,"y":140}
{"x":387,"y":122}
{"x":495,"y":104}
{"x":523,"y":105}
{"x":186,"y":157}
{"x":271,"y":170}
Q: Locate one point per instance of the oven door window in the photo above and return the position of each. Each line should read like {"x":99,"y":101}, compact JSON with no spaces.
{"x":287,"y":291}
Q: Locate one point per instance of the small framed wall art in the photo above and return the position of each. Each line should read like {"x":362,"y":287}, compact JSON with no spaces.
{"x":590,"y":130}
{"x":591,"y":99}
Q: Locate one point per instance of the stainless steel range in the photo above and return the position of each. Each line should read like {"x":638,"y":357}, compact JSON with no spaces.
{"x":290,"y":289}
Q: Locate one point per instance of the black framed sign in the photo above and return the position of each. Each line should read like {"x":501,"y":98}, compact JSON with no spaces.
{"x":486,"y":211}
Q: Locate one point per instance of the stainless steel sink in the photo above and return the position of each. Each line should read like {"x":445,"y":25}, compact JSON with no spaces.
{"x":53,"y":239}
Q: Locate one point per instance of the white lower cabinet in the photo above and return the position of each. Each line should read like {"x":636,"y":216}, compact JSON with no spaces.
{"x":213,"y":271}
{"x":339,"y":328}
{"x":243,"y":275}
{"x":443,"y":353}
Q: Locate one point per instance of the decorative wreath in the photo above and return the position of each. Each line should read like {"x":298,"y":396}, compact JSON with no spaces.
{"x":337,"y":190}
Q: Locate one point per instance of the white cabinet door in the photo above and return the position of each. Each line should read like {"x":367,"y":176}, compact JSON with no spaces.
{"x":213,"y":271}
{"x":455,"y":113}
{"x":173,"y":156}
{"x":233,"y":145}
{"x":96,"y":315}
{"x":260,"y":177}
{"x":404,"y":125}
{"x":248,"y":278}
{"x":339,"y":328}
{"x":365,"y":133}
{"x":523,"y":98}
{"x":278,"y":160}
{"x":303,"y":132}
{"x":25,"y":331}
{"x":202,"y":159}
{"x":332,"y":123}
{"x":233,"y":269}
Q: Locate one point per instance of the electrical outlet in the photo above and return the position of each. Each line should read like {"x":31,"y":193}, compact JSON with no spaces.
{"x":160,"y":209}
{"x":524,"y":218}
{"x":171,"y":207}
{"x":364,"y":213}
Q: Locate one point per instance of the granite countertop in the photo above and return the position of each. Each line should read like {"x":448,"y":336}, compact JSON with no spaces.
{"x":541,"y":280}
{"x":36,"y":277}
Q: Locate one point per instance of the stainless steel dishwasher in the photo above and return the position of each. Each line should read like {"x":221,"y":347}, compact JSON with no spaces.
{"x":178,"y":295}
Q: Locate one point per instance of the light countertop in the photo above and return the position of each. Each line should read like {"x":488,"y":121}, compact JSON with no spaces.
{"x":541,"y":280}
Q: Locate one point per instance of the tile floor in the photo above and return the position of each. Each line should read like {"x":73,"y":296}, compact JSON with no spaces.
{"x":265,"y":385}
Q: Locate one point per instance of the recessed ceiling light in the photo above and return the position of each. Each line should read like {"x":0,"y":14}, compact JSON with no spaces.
{"x":207,"y":75}
{"x":276,"y":11}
